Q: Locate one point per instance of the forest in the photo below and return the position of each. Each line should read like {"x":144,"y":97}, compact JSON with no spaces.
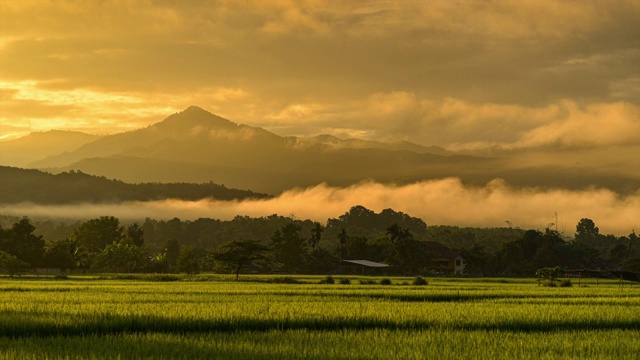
{"x":294,"y":246}
{"x":27,"y":185}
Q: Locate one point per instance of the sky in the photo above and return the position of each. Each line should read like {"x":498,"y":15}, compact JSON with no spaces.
{"x":458,"y":74}
{"x":522,"y":75}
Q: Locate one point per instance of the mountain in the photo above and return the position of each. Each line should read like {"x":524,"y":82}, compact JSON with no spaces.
{"x":197,"y":146}
{"x":28,"y":185}
{"x":38,"y":145}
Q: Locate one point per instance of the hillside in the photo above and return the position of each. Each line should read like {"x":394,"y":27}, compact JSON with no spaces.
{"x":197,"y":146}
{"x":38,"y":145}
{"x":21,"y":185}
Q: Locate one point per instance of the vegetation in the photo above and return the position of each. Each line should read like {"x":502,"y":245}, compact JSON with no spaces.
{"x":277,"y":244}
{"x":239,"y":254}
{"x":20,"y":185}
{"x":257,"y":318}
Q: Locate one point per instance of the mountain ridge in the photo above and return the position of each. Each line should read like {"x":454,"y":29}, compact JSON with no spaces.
{"x":30,"y":185}
{"x":195,"y":145}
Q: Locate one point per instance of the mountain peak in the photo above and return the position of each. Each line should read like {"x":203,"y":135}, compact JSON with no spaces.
{"x":194,"y":109}
{"x":194,"y":116}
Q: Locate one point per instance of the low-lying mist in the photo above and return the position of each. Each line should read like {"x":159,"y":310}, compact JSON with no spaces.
{"x":438,"y":202}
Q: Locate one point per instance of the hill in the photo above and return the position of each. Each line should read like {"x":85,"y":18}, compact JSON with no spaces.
{"x":197,"y":146}
{"x":22,"y":185}
{"x":38,"y":145}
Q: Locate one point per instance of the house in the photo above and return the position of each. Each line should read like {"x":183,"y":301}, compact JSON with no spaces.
{"x":445,"y":260}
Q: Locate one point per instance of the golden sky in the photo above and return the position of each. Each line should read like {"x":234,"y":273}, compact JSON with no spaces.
{"x":459,"y":74}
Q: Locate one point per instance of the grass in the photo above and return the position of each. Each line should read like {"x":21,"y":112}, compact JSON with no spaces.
{"x":268,"y":317}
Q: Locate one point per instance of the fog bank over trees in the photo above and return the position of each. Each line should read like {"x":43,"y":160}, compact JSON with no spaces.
{"x":445,"y":202}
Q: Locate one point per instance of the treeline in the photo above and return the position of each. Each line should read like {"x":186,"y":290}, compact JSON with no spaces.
{"x":303,"y":246}
{"x":27,"y":185}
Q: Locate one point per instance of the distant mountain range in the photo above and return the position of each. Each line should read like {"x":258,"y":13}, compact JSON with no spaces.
{"x":38,"y":145}
{"x":196,"y":146}
{"x":27,"y":185}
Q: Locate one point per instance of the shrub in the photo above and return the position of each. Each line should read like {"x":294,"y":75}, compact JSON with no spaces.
{"x":328,"y":280}
{"x":11,"y":265}
{"x":548,"y":283}
{"x":385,"y":281}
{"x":345,"y":281}
{"x":565,"y":283}
{"x":420,"y":281}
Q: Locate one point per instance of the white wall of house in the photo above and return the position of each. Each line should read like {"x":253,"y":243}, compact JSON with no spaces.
{"x":460,"y":265}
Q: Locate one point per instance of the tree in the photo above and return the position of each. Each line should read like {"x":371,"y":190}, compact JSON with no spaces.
{"x":290,"y":248}
{"x":239,"y":254}
{"x":632,"y":264}
{"x":479,"y":260}
{"x":172,"y":253}
{"x":587,"y":232}
{"x":191,"y":260}
{"x":316,"y":235}
{"x":21,"y":242}
{"x":135,"y":235}
{"x":586,"y":227}
{"x":356,"y":248}
{"x":550,"y":275}
{"x":122,"y":257}
{"x":409,"y":255}
{"x":395,"y":233}
{"x":96,"y":234}
{"x":321,"y":261}
{"x":343,"y":237}
{"x":64,"y":254}
{"x":11,"y":264}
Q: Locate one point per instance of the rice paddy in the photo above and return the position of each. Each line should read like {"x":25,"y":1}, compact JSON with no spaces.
{"x":214,"y":317}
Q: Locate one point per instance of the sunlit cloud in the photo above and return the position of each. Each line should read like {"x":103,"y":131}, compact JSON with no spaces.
{"x":438,"y":202}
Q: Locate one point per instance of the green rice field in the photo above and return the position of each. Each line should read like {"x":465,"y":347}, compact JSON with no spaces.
{"x":214,"y":317}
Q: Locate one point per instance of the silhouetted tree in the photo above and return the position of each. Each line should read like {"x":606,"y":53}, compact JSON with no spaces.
{"x":191,"y":260}
{"x":587,"y":232}
{"x":290,"y":248}
{"x":122,"y":257}
{"x":172,"y":253}
{"x":21,"y":242}
{"x":64,"y":254}
{"x":11,"y":265}
{"x":134,"y":235}
{"x":316,"y":235}
{"x":239,"y":254}
{"x":96,"y":234}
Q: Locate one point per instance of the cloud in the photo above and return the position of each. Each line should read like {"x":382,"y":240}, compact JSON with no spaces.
{"x":438,"y":202}
{"x":451,"y":73}
{"x":460,"y":125}
{"x":595,"y":124}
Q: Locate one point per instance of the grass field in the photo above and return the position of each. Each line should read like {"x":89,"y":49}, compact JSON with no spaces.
{"x":215,"y":318}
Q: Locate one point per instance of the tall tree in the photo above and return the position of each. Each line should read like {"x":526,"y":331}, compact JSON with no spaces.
{"x":587,"y":232}
{"x":290,"y":248}
{"x":96,"y":234}
{"x":64,"y":254}
{"x":239,"y":254}
{"x":316,"y":235}
{"x":343,"y":237}
{"x":135,"y":235}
